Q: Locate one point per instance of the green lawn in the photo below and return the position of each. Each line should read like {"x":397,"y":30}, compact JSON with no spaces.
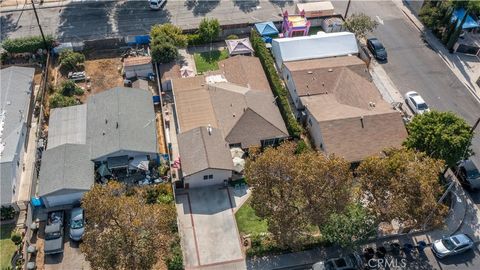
{"x":206,"y":61}
{"x":314,"y":29}
{"x":6,"y":245}
{"x":248,"y":222}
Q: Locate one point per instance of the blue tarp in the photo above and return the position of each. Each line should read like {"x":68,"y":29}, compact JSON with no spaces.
{"x":469,"y":22}
{"x":36,"y":202}
{"x":266,"y":28}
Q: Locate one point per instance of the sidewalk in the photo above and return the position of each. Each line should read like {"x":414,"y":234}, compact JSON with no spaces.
{"x":465,"y":67}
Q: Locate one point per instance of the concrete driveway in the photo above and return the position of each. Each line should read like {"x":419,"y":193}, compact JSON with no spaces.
{"x":71,"y":258}
{"x":208,"y":229}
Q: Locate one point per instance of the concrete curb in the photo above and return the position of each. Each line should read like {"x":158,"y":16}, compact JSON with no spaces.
{"x":422,"y":29}
{"x":464,"y":201}
{"x":25,"y":7}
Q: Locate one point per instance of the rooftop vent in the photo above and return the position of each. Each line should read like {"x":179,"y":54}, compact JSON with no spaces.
{"x":310,"y":72}
{"x":209,"y":129}
{"x":330,"y":70}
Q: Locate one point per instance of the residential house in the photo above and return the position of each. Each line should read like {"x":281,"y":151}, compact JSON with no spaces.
{"x":350,"y":119}
{"x":114,"y":128}
{"x":317,"y":76}
{"x":16,"y":105}
{"x":205,"y":157}
{"x":66,"y":174}
{"x":224,"y":108}
{"x":321,"y":45}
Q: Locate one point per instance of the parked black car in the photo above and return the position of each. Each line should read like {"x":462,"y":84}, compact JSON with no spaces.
{"x":377,"y":49}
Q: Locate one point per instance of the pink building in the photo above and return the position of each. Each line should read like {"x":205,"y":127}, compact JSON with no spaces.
{"x":295,"y":25}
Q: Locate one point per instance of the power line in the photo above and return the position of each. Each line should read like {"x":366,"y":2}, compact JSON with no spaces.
{"x":39,"y":26}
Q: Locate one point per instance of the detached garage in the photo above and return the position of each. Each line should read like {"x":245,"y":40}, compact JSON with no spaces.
{"x":204,"y":157}
{"x":67,"y":173}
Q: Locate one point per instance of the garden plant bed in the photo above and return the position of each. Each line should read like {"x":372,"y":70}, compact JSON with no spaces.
{"x":6,"y":245}
{"x":207,"y":61}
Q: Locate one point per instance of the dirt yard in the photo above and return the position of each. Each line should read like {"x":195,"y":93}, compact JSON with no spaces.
{"x":104,"y":74}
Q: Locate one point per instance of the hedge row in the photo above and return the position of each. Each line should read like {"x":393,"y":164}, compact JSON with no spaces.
{"x":26,"y":44}
{"x":276,"y":84}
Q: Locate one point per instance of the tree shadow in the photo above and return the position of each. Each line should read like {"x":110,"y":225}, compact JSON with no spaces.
{"x":246,"y":5}
{"x":8,"y":25}
{"x":282,"y":3}
{"x":135,"y":17}
{"x":201,"y":7}
{"x":77,"y":26}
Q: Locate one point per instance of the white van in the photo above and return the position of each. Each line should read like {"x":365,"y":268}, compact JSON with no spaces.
{"x":156,"y":4}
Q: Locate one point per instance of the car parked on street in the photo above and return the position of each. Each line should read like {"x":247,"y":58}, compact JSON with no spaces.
{"x":452,"y":245}
{"x":77,"y":224}
{"x":377,"y":49}
{"x":416,"y":103}
{"x":467,"y":173}
{"x":350,"y":262}
{"x":157,"y":4}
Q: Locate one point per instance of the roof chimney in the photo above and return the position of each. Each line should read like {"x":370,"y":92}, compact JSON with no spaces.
{"x":361,"y":121}
{"x":209,"y":129}
{"x":117,"y":125}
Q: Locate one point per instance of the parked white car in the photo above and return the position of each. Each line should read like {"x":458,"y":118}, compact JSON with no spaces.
{"x":416,"y":103}
{"x":452,"y":245}
{"x":156,"y":4}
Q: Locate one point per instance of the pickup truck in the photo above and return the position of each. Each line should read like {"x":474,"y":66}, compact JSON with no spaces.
{"x":54,"y":233}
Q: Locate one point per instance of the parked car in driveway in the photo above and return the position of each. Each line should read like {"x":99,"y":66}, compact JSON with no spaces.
{"x":377,"y":49}
{"x":468,"y":174}
{"x":452,"y":245}
{"x":77,"y":224}
{"x":349,"y":262}
{"x":54,"y":233}
{"x":416,"y":103}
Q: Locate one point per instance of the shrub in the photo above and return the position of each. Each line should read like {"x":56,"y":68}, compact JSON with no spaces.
{"x":164,"y":52}
{"x":159,"y":194}
{"x":26,"y":44}
{"x":232,"y":37}
{"x":278,"y":89}
{"x":302,"y":146}
{"x":209,"y":29}
{"x":16,"y":238}
{"x":58,"y":100}
{"x":172,"y":32}
{"x":175,"y":260}
{"x":194,"y":39}
{"x":70,"y":60}
{"x":69,"y":88}
{"x":7,"y":213}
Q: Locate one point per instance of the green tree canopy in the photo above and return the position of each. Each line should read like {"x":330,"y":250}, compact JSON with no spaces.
{"x":294,"y":192}
{"x":350,"y":227}
{"x":164,"y":52}
{"x":69,"y":88}
{"x":70,"y":60}
{"x":58,"y":100}
{"x":360,"y":25}
{"x":123,"y":230}
{"x":209,"y":29}
{"x":442,"y":135}
{"x":173,"y":33}
{"x":402,"y":184}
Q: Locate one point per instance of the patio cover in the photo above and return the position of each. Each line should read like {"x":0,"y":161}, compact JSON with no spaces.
{"x":239,"y":46}
{"x":266,"y":28}
{"x":117,"y":162}
{"x":469,"y":22}
{"x":140,"y":163}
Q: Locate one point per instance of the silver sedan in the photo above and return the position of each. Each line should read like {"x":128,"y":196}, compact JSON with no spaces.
{"x":452,"y":245}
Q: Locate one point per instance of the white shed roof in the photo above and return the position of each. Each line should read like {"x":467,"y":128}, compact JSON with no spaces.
{"x":321,"y":45}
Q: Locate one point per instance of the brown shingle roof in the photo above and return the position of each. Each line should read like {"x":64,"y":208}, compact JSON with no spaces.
{"x":245,"y":71}
{"x":354,"y":120}
{"x":317,"y":76}
{"x":200,"y":150}
{"x":135,"y":61}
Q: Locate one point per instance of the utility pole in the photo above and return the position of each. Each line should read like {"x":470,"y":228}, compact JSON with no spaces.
{"x":39,"y":26}
{"x":348,"y":7}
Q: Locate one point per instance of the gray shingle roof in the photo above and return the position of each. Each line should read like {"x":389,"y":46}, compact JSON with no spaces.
{"x":15,"y":92}
{"x":67,"y":166}
{"x":201,"y":150}
{"x":67,"y":125}
{"x":121,"y":119}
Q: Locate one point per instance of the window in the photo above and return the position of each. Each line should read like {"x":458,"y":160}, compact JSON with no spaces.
{"x":235,"y":145}
{"x":271,"y":142}
{"x":208,"y":176}
{"x":205,"y":177}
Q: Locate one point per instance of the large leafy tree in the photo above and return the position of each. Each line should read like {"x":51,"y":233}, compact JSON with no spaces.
{"x":360,"y":25}
{"x":403,"y":185}
{"x":209,"y":29}
{"x":350,"y":227}
{"x":170,"y":31}
{"x":294,"y":192}
{"x":123,"y":230}
{"x":442,"y":135}
{"x":164,"y":52}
